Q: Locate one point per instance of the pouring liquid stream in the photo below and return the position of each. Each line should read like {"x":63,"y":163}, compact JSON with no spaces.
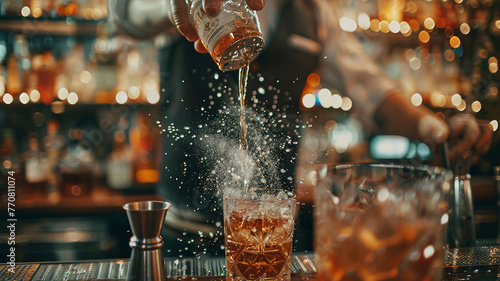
{"x":243,"y":78}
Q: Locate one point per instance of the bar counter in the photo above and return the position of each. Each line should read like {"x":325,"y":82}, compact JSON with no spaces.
{"x":474,"y":263}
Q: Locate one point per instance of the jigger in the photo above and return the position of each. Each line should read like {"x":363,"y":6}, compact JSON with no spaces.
{"x":146,"y":220}
{"x":461,"y":226}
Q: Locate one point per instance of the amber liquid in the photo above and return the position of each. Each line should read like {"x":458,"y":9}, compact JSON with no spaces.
{"x":407,"y":251}
{"x":243,"y":78}
{"x":255,"y":250}
{"x":242,"y":32}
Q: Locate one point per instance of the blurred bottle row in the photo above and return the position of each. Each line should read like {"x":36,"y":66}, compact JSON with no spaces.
{"x":71,"y":156}
{"x":76,"y":69}
{"x":86,"y":9}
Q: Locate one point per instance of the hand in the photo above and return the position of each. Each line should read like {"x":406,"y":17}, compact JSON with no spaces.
{"x":180,"y":17}
{"x":464,"y":134}
{"x":396,"y":115}
{"x":468,"y":135}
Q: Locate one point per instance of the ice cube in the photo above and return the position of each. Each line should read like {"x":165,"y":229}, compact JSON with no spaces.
{"x":281,"y":195}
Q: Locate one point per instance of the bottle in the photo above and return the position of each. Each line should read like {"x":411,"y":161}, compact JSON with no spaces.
{"x":66,"y":8}
{"x":53,"y":144}
{"x":35,"y":165}
{"x":119,"y":170}
{"x":143,"y":142}
{"x":76,"y":165}
{"x":44,"y":68}
{"x":9,"y":161}
{"x":232,"y":37}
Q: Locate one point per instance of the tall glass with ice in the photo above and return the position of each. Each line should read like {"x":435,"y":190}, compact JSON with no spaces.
{"x":258,"y":237}
{"x":380,"y":222}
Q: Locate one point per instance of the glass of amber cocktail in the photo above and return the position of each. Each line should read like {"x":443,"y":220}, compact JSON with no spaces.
{"x":258,"y":237}
{"x":380,"y":222}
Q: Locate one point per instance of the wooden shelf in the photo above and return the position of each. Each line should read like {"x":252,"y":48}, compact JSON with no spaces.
{"x":40,"y":26}
{"x":100,"y":200}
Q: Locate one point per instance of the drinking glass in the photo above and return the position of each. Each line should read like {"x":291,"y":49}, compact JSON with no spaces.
{"x":380,"y":221}
{"x":258,"y":238}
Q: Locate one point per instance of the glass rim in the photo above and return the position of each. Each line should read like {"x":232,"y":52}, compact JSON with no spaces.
{"x":148,"y":205}
{"x":418,"y":167}
{"x":229,"y":198}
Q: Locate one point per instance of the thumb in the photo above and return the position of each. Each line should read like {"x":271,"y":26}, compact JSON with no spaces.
{"x":430,"y":127}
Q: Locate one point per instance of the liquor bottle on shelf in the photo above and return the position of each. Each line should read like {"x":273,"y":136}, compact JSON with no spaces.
{"x":102,"y":65}
{"x":66,"y":8}
{"x":76,"y":165}
{"x":119,"y":170}
{"x":35,"y":168}
{"x":10,"y":163}
{"x":74,"y":75}
{"x":41,"y":8}
{"x":13,"y":7}
{"x":53,"y":143}
{"x":45,"y":70}
{"x":143,"y":144}
{"x":14,"y":83}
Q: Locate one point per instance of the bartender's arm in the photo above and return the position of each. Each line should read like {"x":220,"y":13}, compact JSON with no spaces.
{"x":396,"y":115}
{"x":381,"y":101}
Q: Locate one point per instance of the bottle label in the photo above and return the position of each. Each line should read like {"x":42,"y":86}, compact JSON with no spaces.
{"x":212,"y":29}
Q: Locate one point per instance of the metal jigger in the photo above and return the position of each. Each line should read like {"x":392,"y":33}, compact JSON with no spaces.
{"x":146,"y":220}
{"x":461,"y":227}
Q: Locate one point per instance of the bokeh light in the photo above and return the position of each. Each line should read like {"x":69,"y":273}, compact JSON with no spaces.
{"x":455,"y":42}
{"x":462,"y":105}
{"x":152,"y":96}
{"x":7,"y":98}
{"x":456,"y":99}
{"x":85,"y":77}
{"x":72,"y":98}
{"x":465,"y":28}
{"x":134,"y":92}
{"x":494,"y":125}
{"x":308,"y":100}
{"x":405,"y":28}
{"x":346,"y":104}
{"x":35,"y":96}
{"x":25,"y":11}
{"x":24,"y":98}
{"x":476,"y":106}
{"x":364,"y":21}
{"x":63,"y":93}
{"x":424,"y":36}
{"x":121,"y":97}
{"x":394,"y":26}
{"x":325,"y":97}
{"x":347,"y":24}
{"x":429,"y":23}
{"x":336,"y":101}
{"x":375,"y":25}
{"x":416,"y":99}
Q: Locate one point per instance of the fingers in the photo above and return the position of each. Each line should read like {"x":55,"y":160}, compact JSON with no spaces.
{"x":256,"y":5}
{"x":484,"y":143}
{"x":430,"y":127}
{"x":180,"y":16}
{"x":465,"y":134}
{"x":211,"y":7}
{"x":199,"y":47}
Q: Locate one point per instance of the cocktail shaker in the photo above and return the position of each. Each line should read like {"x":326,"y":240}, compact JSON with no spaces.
{"x":461,"y":226}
